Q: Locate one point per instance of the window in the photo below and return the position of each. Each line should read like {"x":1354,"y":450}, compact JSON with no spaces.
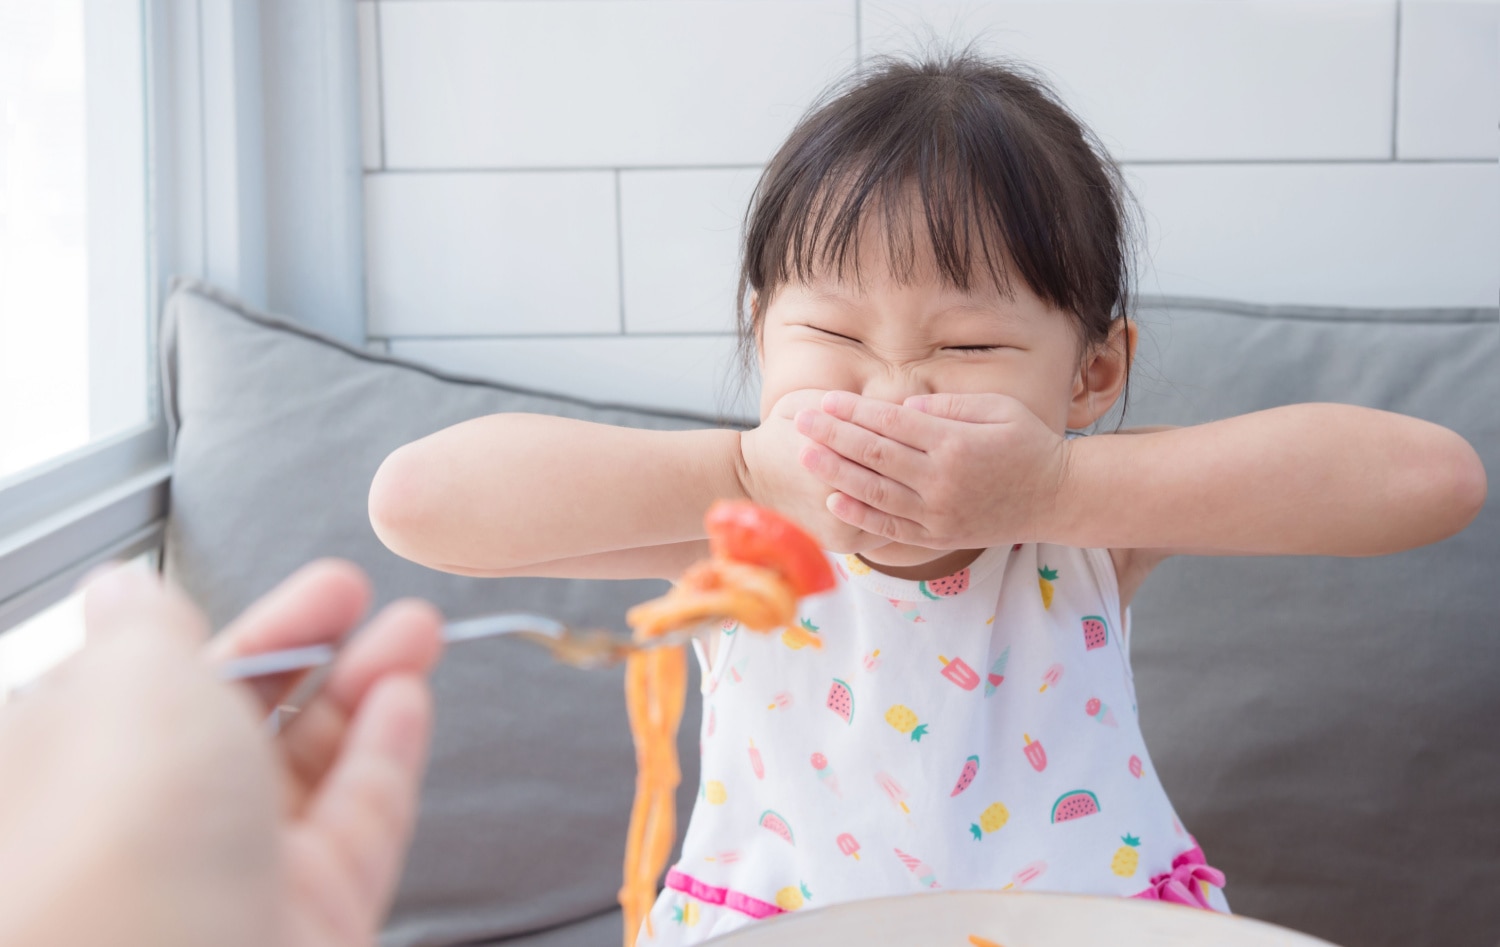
{"x":83,"y":467}
{"x":73,"y":228}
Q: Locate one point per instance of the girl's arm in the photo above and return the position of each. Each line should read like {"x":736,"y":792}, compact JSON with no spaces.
{"x":525,"y":494}
{"x":1307,"y":479}
{"x":519,"y":494}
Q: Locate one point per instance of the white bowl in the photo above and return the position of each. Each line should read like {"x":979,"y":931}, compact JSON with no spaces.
{"x":1023,"y":919}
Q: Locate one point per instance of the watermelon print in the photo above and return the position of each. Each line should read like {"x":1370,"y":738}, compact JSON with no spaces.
{"x":841,"y":700}
{"x":966,"y":777}
{"x":1095,"y":632}
{"x":946,"y":587}
{"x":777,"y":825}
{"x":1074,"y":805}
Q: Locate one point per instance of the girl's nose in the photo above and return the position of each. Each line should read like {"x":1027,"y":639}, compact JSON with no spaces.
{"x":895,"y":386}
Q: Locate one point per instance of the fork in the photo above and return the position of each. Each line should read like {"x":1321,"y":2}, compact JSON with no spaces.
{"x":587,"y":648}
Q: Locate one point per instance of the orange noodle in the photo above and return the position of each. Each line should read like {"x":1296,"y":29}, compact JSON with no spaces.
{"x":761,"y":563}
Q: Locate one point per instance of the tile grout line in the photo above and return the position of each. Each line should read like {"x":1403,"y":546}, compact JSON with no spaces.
{"x":620,"y":252}
{"x":1128,"y":163}
{"x":380,"y":82}
{"x":1396,"y":87}
{"x":859,"y":36}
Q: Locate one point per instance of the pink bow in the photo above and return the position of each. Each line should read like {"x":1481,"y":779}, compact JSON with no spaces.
{"x":1182,"y":885}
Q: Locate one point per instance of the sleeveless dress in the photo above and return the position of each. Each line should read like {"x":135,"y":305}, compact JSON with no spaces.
{"x":977,"y":731}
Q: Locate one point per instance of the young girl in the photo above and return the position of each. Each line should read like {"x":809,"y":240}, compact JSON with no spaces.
{"x":936,"y":264}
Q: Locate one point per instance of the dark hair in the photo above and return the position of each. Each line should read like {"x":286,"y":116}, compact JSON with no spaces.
{"x":992,"y":153}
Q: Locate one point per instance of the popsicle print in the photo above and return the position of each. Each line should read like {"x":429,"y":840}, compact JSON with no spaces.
{"x":1050,"y":679}
{"x":893,"y":790}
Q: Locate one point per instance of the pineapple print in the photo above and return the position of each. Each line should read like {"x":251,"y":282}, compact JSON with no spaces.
{"x":801,"y":635}
{"x":792,"y":897}
{"x":687,"y":914}
{"x":715,"y":793}
{"x":992,"y":819}
{"x":905,"y":721}
{"x":1127,"y":857}
{"x":1047,"y":577}
{"x":856,"y":565}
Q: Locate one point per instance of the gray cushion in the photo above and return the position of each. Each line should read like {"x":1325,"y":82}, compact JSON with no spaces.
{"x":277,"y":435}
{"x":1328,"y":727}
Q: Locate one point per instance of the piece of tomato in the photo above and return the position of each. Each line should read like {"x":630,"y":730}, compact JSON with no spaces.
{"x":744,"y":532}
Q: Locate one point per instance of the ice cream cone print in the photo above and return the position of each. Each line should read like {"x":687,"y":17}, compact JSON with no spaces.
{"x":1096,"y":708}
{"x":825,"y":775}
{"x":924,"y":874}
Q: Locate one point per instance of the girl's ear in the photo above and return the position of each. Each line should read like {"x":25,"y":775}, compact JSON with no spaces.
{"x":1102,"y":376}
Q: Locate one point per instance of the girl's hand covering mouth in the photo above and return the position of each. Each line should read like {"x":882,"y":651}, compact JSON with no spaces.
{"x":944,"y":471}
{"x":771,"y":476}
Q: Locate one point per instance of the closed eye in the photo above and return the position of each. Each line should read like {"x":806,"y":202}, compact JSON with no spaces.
{"x":975,"y":348}
{"x":836,"y":335}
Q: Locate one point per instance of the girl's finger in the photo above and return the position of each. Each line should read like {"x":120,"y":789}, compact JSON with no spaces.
{"x":975,"y":409}
{"x":874,"y":522}
{"x":363,"y":812}
{"x":861,"y":445}
{"x":871,"y":488}
{"x":897,"y":422}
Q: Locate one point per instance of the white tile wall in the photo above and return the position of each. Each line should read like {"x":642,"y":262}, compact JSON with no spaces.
{"x":479,"y":253}
{"x":1188,"y":80}
{"x":369,"y":86}
{"x":1392,"y":235}
{"x":680,"y":231}
{"x":1282,"y":152}
{"x":587,"y":83}
{"x":685,"y":373}
{"x":1449,"y":95}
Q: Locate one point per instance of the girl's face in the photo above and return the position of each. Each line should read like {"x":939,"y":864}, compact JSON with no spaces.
{"x":891,"y":341}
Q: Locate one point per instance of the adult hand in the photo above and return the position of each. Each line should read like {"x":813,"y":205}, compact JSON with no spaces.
{"x":774,"y":478}
{"x":945,"y":471}
{"x":144,"y":803}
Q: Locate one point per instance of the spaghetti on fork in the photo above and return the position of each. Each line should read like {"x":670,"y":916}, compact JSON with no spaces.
{"x":760,"y":565}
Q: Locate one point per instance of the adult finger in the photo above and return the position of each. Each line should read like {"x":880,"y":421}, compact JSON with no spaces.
{"x":404,"y":639}
{"x":859,"y":482}
{"x":131,"y":599}
{"x":363,"y":813}
{"x":317,"y":604}
{"x":895,"y":421}
{"x":861,"y":445}
{"x":875,"y":522}
{"x":975,"y":408}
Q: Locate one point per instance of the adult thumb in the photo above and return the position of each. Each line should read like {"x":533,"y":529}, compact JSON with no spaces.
{"x":974,"y":408}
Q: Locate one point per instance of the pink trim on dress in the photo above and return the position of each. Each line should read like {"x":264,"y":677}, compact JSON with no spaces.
{"x":728,"y":897}
{"x":1184,"y":883}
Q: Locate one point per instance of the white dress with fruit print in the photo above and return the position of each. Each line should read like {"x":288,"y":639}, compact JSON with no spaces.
{"x":975,"y":731}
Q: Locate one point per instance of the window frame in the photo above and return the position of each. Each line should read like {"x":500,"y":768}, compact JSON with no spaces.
{"x":204,"y":162}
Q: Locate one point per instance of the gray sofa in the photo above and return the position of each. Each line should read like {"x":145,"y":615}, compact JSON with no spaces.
{"x":1329,"y":729}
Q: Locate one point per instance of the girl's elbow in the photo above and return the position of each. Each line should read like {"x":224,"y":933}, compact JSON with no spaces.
{"x":1454,"y":480}
{"x":399,"y":506}
{"x":1470,"y":484}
